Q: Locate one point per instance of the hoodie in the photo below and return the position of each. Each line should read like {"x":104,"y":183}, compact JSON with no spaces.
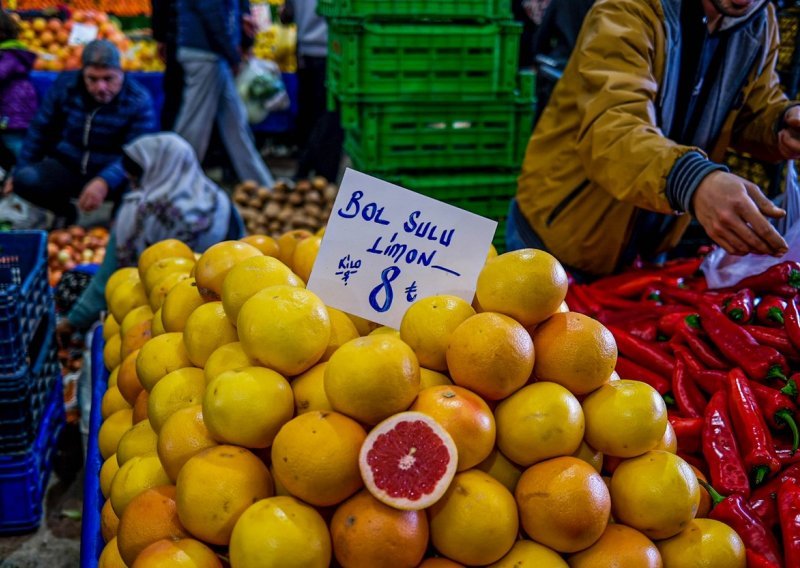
{"x":18,"y":100}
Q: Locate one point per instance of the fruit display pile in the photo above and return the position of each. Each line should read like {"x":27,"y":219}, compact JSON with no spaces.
{"x":67,"y":248}
{"x":116,"y":7}
{"x":278,"y":43}
{"x":305,"y":204}
{"x":728,"y":362}
{"x":49,"y":38}
{"x":246,"y":422}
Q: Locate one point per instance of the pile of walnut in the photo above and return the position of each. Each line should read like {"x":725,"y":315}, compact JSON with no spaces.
{"x":305,"y":204}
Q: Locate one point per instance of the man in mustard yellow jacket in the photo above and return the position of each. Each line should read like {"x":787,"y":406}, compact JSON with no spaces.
{"x":633,"y":135}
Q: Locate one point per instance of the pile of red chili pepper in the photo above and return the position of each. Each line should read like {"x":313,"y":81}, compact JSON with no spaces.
{"x":728,"y":364}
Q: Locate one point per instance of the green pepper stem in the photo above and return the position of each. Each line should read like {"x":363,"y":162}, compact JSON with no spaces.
{"x":775,"y":315}
{"x":669,"y":399}
{"x":790,"y":389}
{"x":693,"y":321}
{"x":785,"y":416}
{"x":761,"y":472}
{"x":736,"y":314}
{"x":776,"y":373}
{"x":716,"y":498}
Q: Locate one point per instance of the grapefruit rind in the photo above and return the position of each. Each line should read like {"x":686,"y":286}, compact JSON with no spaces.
{"x":426,"y":499}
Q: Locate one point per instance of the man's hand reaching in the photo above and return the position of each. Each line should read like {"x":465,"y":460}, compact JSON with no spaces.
{"x":733,"y":212}
{"x":93,"y":195}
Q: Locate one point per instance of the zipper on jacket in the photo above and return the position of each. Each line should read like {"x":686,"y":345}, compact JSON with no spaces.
{"x":566,"y":201}
{"x":87,"y":128}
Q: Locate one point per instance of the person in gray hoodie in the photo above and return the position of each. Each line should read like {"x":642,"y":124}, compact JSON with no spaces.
{"x":319,"y":133}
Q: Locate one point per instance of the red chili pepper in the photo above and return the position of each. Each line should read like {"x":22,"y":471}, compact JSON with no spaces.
{"x":629,"y":370}
{"x":645,"y":330}
{"x":759,"y":361}
{"x":682,"y":267}
{"x":720,"y":449}
{"x":691,"y":297}
{"x":690,"y":400}
{"x":644,"y":353}
{"x":763,"y":499}
{"x":770,"y":310}
{"x":782,"y":279}
{"x":580,"y":297}
{"x":775,"y":338}
{"x":688,"y":431}
{"x":741,"y":306}
{"x":756,"y":560}
{"x":755,"y":440}
{"x":668,"y":324}
{"x":792,"y":322}
{"x":789,"y":514}
{"x":778,"y":409}
{"x":702,"y":350}
{"x":709,"y":381}
{"x":628,"y":285}
{"x":734,"y":511}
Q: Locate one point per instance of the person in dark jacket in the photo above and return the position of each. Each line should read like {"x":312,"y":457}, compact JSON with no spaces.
{"x":165,"y":32}
{"x":74,"y":145}
{"x":212,"y":36}
{"x":18,"y":100}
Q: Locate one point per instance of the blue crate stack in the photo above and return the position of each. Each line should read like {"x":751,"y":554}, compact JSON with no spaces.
{"x":31,"y":393}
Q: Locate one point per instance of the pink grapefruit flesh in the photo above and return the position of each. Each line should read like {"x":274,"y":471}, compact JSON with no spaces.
{"x":408,"y":461}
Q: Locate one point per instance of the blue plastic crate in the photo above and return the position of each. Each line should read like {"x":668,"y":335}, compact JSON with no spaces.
{"x":24,"y":394}
{"x":23,"y":478}
{"x":25,"y":295}
{"x":91,"y":537}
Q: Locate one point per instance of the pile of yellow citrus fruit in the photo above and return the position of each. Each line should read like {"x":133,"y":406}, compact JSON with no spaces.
{"x":248,"y":424}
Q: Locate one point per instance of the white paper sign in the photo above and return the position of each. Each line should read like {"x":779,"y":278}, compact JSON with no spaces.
{"x":82,"y":34}
{"x":386,"y":247}
{"x":262,"y":16}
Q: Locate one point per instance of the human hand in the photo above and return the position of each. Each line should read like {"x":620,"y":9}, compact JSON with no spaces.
{"x":732,"y":210}
{"x":93,"y":195}
{"x":789,"y":136}
{"x":8,"y":186}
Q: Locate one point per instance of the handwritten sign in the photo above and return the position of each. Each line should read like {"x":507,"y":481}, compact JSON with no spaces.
{"x":262,"y":16}
{"x":386,"y":247}
{"x":82,"y":34}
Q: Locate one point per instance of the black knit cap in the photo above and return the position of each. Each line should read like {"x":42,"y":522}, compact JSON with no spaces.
{"x":101,"y":53}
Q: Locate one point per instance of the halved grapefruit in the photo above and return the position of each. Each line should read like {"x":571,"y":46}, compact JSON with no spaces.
{"x":408,"y":461}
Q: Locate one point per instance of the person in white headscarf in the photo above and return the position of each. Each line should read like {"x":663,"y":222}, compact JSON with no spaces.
{"x":170,"y":198}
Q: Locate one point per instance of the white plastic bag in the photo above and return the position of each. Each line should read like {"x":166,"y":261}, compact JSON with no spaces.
{"x":20,"y":214}
{"x":722,"y":269}
{"x":261,"y":87}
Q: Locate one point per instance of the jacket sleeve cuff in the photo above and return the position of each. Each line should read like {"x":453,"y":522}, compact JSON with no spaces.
{"x":685,"y":176}
{"x":113,"y":175}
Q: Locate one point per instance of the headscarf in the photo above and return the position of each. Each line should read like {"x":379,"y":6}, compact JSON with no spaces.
{"x":174,"y":199}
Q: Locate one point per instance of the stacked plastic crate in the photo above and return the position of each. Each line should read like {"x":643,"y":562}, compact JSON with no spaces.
{"x":430,"y":97}
{"x":31,"y":395}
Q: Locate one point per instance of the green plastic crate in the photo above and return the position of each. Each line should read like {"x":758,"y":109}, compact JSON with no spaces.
{"x":484,"y":193}
{"x":439,"y":135}
{"x":389,"y":62}
{"x":417,"y":9}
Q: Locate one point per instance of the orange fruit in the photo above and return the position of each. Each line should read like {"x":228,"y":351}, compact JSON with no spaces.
{"x":427,"y":324}
{"x":529,"y":553}
{"x":179,"y":389}
{"x":228,"y":357}
{"x":490,"y":354}
{"x":363,"y":326}
{"x":298,"y":536}
{"x":179,"y":303}
{"x":127,"y":295}
{"x":128,"y":382}
{"x":705,"y":542}
{"x":350,"y":378}
{"x":112,"y":378}
{"x":541,"y":421}
{"x":215,"y":487}
{"x":207,"y":329}
{"x":591,"y":456}
{"x":133,"y":317}
{"x":309,"y":390}
{"x":575,"y":351}
{"x":315,"y":456}
{"x":563,"y":504}
{"x":284,"y":328}
{"x":112,"y":429}
{"x":110,"y":557}
{"x":287,"y":243}
{"x":159,"y":357}
{"x":161,"y":250}
{"x":527,"y":285}
{"x":136,"y":337}
{"x":247,"y":407}
{"x":137,"y":441}
{"x":620,"y":546}
{"x":112,"y":401}
{"x":656,"y":493}
{"x":118,"y":277}
{"x":304,"y":255}
{"x":157,"y":325}
{"x":163,"y":269}
{"x":365,"y":532}
{"x":110,"y":327}
{"x":439,"y":563}
{"x":149,"y":517}
{"x":253,"y":275}
{"x":216,"y":262}
{"x":183,"y":553}
{"x":160,"y":290}
{"x":502,"y":469}
{"x":669,"y":442}
{"x":107,"y":472}
{"x":140,"y":407}
{"x":342,"y":330}
{"x":429,"y":378}
{"x":624,"y":418}
{"x":182,"y":436}
{"x":465,"y":416}
{"x":476,"y":521}
{"x":266,"y":244}
{"x":408,"y":461}
{"x":109,"y":521}
{"x":135,"y":476}
{"x":705,"y":499}
{"x":111,"y":351}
